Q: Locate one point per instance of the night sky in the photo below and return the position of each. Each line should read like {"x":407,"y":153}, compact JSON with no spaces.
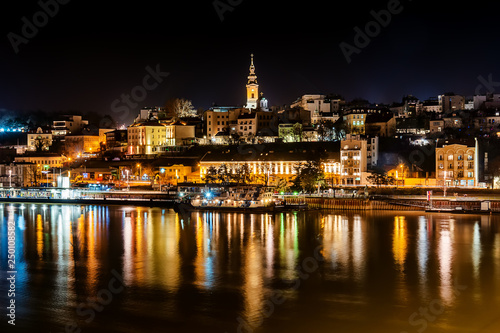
{"x":91,"y":53}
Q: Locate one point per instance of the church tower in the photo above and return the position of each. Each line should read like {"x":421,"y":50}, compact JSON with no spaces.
{"x":252,"y":88}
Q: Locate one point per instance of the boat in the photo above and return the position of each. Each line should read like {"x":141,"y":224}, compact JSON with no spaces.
{"x":236,"y":199}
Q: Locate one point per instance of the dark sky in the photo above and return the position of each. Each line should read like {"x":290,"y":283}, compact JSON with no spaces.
{"x":92,"y":52}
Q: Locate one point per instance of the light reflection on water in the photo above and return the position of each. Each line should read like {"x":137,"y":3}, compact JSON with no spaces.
{"x":218,"y":272}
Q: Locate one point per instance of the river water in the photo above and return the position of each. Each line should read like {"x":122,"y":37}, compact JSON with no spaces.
{"x":130,"y":269}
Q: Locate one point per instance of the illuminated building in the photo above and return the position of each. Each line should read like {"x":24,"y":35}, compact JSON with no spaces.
{"x":457,"y":163}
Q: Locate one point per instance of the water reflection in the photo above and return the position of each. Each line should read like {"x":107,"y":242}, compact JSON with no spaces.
{"x":445,"y":257}
{"x":216,"y":267}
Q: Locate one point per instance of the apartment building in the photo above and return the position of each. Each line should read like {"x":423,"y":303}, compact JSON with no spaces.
{"x":457,"y":163}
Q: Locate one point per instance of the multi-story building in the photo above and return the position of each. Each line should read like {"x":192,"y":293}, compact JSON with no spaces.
{"x":154,"y":136}
{"x":372,"y":152}
{"x":269,"y":164}
{"x":144,"y":138}
{"x":382,"y":124}
{"x":221,"y":120}
{"x":457,"y":163}
{"x":353,"y":160}
{"x":177,"y":133}
{"x":436,"y":126}
{"x":319,"y":106}
{"x":116,"y":140}
{"x":451,"y":102}
{"x":67,"y":125}
{"x":247,"y":125}
{"x":83,"y":144}
{"x":355,"y":119}
{"x":39,"y":141}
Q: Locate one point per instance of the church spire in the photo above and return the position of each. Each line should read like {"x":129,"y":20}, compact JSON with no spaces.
{"x":252,"y":87}
{"x":252,"y":78}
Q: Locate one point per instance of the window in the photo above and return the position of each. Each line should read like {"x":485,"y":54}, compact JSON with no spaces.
{"x":450,"y":157}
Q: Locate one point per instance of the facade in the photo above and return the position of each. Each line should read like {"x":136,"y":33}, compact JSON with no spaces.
{"x":372,"y":152}
{"x":436,"y":126}
{"x":451,"y":102}
{"x":319,"y":106}
{"x":247,"y":125}
{"x":82,"y":145}
{"x":273,"y":164}
{"x":145,"y":138}
{"x":356,"y":119}
{"x":13,"y":174}
{"x":177,"y":133}
{"x":353,"y":160}
{"x":67,"y":125}
{"x":116,"y":141}
{"x":40,"y":140}
{"x":457,"y":163}
{"x":221,"y":120}
{"x":380,"y":124}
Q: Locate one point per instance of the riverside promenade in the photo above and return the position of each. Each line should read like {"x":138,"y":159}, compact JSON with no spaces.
{"x":83,"y":197}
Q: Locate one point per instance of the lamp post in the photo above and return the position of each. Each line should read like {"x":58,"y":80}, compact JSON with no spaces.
{"x":402,"y":175}
{"x":127,"y":178}
{"x":162,"y":171}
{"x":10,"y":178}
{"x":140,"y":170}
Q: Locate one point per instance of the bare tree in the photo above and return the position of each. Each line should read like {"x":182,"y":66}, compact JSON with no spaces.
{"x":180,"y":108}
{"x":32,"y":174}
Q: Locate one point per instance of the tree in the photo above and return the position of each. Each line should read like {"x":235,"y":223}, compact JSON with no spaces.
{"x":380,"y":178}
{"x":211,"y":175}
{"x":41,"y":144}
{"x":340,"y":129}
{"x":297,"y":132}
{"x":326,"y":131}
{"x":243,"y":174}
{"x":282,"y":185}
{"x":32,"y":174}
{"x":180,"y":108}
{"x":309,"y":176}
{"x":224,"y":174}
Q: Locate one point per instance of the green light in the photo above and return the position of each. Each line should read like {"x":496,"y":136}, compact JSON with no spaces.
{"x":295,"y":193}
{"x":282,"y":193}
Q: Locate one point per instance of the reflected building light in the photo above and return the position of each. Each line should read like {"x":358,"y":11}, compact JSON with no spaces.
{"x":39,"y":236}
{"x":171,"y":258}
{"x":358,"y":249}
{"x":288,"y":251}
{"x":253,"y":287}
{"x":476,"y":250}
{"x":423,"y":250}
{"x":128,"y":258}
{"x":496,"y":256}
{"x":445,"y":256}
{"x":400,"y":242}
{"x":204,"y":262}
{"x":92,"y":262}
{"x":269,"y":248}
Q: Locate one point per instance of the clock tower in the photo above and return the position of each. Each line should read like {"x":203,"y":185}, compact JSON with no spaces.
{"x":252,"y":88}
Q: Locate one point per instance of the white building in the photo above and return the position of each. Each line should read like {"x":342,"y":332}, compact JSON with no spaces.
{"x":353,"y":160}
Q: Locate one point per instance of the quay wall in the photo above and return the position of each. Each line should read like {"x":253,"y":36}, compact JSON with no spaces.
{"x":360,"y":204}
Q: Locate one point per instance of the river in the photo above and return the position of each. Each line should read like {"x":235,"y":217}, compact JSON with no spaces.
{"x":131,"y":269}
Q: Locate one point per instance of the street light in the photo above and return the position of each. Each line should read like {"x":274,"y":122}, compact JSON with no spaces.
{"x":402,"y":174}
{"x":127,"y":177}
{"x":10,"y":177}
{"x":140,"y":170}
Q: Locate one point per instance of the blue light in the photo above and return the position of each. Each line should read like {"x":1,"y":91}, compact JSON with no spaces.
{"x":208,"y":195}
